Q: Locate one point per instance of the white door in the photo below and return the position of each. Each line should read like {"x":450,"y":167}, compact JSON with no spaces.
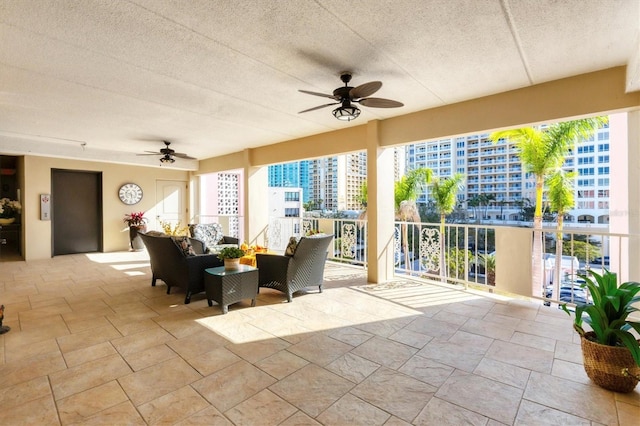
{"x":172,"y":202}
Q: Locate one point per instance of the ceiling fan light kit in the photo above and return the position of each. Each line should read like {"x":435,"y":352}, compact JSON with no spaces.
{"x":346,"y":113}
{"x":347,"y":94}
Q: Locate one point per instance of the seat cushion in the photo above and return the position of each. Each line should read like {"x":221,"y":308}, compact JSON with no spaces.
{"x":216,"y":248}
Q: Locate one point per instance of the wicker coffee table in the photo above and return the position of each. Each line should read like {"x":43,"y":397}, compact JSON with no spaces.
{"x":230,"y":286}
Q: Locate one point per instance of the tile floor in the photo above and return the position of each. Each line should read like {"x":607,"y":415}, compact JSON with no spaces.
{"x":91,"y":342}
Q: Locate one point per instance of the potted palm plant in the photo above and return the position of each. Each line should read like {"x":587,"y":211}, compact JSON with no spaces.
{"x":231,"y":257}
{"x":611,"y":353}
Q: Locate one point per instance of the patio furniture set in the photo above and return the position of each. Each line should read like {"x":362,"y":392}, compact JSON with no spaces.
{"x":191,"y":263}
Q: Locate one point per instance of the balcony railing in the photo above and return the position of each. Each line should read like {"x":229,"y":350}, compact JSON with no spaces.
{"x":454,"y":256}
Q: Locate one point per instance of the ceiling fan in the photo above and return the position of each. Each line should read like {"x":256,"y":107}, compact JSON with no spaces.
{"x":167,"y":154}
{"x":347,"y":95}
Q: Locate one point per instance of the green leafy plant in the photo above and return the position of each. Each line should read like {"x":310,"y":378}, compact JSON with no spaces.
{"x":608,"y":315}
{"x":230,"y":253}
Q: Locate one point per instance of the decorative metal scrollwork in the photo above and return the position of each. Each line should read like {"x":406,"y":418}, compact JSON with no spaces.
{"x":430,"y":249}
{"x":348,"y":241}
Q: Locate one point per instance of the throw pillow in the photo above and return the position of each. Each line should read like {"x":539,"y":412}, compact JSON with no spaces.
{"x":210,"y":233}
{"x":184,"y":245}
{"x":291,"y":247}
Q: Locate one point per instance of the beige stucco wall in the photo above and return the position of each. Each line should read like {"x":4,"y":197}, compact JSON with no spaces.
{"x":37,"y":180}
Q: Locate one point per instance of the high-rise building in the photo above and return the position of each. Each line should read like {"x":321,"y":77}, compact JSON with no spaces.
{"x":333,"y":183}
{"x":291,"y":175}
{"x":495,"y":169}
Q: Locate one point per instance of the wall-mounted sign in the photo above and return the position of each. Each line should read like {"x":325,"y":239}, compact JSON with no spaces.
{"x":45,"y":207}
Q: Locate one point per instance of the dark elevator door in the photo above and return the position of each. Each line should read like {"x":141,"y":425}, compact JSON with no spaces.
{"x":76,"y":211}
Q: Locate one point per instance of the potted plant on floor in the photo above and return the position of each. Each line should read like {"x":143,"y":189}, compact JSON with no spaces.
{"x":231,"y":257}
{"x":136,"y":222}
{"x":611,"y":353}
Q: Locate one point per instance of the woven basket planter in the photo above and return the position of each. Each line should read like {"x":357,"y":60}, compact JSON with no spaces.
{"x":604,"y":365}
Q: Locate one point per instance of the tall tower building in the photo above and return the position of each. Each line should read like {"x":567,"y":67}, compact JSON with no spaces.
{"x":495,"y":168}
{"x":291,"y":175}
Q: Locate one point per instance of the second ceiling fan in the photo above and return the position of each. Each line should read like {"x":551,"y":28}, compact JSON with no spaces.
{"x":167,"y":154}
{"x":348,"y":95}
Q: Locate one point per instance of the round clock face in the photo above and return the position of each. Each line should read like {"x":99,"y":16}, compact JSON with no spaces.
{"x":130,"y":193}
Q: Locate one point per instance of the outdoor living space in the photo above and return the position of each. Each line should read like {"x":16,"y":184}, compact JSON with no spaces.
{"x":92,"y":342}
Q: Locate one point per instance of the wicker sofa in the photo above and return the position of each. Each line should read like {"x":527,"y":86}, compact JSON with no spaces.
{"x":291,"y":273}
{"x":174,"y":263}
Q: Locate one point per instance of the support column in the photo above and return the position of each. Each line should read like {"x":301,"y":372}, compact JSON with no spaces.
{"x":256,"y":201}
{"x":624,"y":195}
{"x":380,"y":207}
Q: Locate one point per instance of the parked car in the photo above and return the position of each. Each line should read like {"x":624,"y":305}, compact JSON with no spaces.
{"x":604,"y":260}
{"x":570,"y":293}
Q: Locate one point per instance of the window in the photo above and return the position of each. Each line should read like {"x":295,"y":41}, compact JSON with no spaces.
{"x":585,"y":149}
{"x":460,"y":144}
{"x":585,"y":182}
{"x":603,"y":193}
{"x":603,"y":182}
{"x":585,"y":160}
{"x":586,"y":171}
{"x":586,"y":204}
{"x":292,"y":196}
{"x":603,"y":159}
{"x":603,"y":136}
{"x":603,"y":147}
{"x":603,"y":204}
{"x":603,"y":170}
{"x":291,"y":212}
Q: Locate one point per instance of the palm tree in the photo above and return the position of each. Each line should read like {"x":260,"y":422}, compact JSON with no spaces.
{"x":542,"y":151}
{"x":561,"y":196}
{"x":444,"y":192}
{"x":474,"y":203}
{"x":406,"y":192}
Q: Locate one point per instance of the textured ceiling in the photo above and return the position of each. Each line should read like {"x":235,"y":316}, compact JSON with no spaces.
{"x":112,"y":79}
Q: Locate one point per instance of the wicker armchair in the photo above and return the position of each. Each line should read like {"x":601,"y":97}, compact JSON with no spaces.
{"x":176,"y":268}
{"x":289,"y":274}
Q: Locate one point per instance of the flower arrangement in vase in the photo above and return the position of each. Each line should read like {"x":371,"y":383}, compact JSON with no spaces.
{"x":9,"y":210}
{"x":137,"y":222}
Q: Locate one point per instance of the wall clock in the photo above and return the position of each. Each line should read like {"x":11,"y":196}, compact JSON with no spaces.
{"x":130,"y":193}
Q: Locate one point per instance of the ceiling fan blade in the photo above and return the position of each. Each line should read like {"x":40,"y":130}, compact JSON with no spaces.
{"x":150,"y":153}
{"x":324,"y":95}
{"x":380,"y":103}
{"x":184,"y":156}
{"x":318,"y":107}
{"x":366,"y":89}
